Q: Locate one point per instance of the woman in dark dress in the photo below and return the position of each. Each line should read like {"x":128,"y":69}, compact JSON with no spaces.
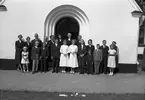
{"x":28,"y":45}
{"x":18,"y":47}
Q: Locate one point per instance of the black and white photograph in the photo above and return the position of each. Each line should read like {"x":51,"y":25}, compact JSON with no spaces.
{"x":72,"y":49}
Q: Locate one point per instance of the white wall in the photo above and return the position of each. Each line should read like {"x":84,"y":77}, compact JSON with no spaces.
{"x":109,"y":19}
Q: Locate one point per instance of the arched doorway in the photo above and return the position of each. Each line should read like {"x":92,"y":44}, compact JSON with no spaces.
{"x":67,"y":25}
{"x":69,"y":11}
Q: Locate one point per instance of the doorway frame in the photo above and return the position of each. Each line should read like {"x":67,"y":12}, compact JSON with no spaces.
{"x":67,"y":11}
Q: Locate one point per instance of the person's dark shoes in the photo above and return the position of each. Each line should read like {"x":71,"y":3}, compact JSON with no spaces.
{"x":33,"y":72}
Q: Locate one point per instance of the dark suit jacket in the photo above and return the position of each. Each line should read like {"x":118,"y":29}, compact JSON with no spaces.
{"x":89,"y":58}
{"x":50,"y":43}
{"x":44,"y":52}
{"x":28,"y":45}
{"x":55,"y":51}
{"x":60,"y":42}
{"x":35,"y":53}
{"x":104,"y":51}
{"x":33,"y":42}
{"x":19,"y":48}
{"x":97,"y":55}
{"x":90,"y":48}
{"x":78,"y":43}
{"x":82,"y":51}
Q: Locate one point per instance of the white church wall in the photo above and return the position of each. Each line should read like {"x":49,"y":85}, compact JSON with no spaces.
{"x":108,"y":19}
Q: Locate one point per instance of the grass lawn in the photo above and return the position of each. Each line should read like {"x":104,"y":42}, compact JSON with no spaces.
{"x":27,"y":95}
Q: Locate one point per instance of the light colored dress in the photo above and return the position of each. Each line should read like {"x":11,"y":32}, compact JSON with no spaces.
{"x":73,"y":61}
{"x":111,"y":59}
{"x":25,"y":59}
{"x":64,"y":56}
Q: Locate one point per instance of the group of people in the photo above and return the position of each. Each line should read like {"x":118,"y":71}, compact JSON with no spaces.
{"x":65,"y":54}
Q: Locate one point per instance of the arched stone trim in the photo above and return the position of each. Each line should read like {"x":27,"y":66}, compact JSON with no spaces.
{"x":67,"y":11}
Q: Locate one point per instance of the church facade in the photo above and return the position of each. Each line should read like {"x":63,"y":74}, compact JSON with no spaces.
{"x":98,"y":20}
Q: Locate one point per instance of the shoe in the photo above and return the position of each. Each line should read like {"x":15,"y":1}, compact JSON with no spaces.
{"x":111,"y":74}
{"x":72,"y":72}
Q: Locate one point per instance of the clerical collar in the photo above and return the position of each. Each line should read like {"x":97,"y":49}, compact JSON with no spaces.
{"x":69,"y":39}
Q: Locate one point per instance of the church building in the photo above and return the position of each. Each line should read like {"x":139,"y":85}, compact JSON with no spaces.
{"x":111,"y":20}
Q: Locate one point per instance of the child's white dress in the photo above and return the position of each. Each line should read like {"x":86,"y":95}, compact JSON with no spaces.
{"x":64,"y":56}
{"x":111,"y":59}
{"x":73,"y":61}
{"x":25,"y":59}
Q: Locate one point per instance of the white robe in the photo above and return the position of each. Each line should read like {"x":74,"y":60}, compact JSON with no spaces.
{"x":73,"y":61}
{"x":64,"y":56}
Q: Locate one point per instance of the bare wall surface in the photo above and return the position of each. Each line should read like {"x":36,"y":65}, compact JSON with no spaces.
{"x":108,"y":19}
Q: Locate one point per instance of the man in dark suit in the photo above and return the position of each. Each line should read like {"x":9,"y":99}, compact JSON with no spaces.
{"x":50,"y":43}
{"x":105,"y":50}
{"x":81,"y":55}
{"x":60,"y":41}
{"x":69,"y":39}
{"x":36,"y":39}
{"x":90,"y":46}
{"x":44,"y":56}
{"x":55,"y":55}
{"x":78,"y":40}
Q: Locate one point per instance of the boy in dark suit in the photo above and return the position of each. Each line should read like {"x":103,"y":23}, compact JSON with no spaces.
{"x":44,"y":56}
{"x":105,"y":50}
{"x":55,"y":55}
{"x":81,"y":55}
{"x":35,"y":56}
{"x":97,"y":58}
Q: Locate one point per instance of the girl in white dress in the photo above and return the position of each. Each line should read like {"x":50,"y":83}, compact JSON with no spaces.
{"x":73,"y":61}
{"x":111,"y":59}
{"x":64,"y":56}
{"x":25,"y":59}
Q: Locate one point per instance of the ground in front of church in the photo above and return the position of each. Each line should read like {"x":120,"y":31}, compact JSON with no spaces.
{"x":51,"y":86}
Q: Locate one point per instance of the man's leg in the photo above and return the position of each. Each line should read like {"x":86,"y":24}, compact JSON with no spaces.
{"x":53,"y":65}
{"x":57,"y":65}
{"x":105,"y":66}
{"x":37,"y":63}
{"x":33,"y":66}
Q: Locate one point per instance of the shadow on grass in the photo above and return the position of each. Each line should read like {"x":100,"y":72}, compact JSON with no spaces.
{"x":33,"y":95}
